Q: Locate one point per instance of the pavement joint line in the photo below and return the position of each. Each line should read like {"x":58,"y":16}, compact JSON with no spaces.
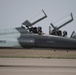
{"x":40,"y":66}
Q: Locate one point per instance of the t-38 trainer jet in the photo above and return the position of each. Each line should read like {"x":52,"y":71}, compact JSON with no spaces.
{"x":28,"y":36}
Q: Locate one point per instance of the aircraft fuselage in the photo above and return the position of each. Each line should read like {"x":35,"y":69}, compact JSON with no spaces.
{"x":19,"y":38}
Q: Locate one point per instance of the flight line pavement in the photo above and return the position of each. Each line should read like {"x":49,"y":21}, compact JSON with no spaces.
{"x":37,"y":62}
{"x":37,"y":66}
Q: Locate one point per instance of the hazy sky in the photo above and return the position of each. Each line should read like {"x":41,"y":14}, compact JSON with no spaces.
{"x":14,"y":12}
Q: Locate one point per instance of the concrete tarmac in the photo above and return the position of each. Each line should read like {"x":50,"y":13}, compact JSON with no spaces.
{"x":37,"y":66}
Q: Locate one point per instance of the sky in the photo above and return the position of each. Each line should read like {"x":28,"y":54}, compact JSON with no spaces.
{"x":14,"y":12}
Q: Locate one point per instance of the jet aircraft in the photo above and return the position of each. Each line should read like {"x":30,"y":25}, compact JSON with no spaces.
{"x":28,"y":36}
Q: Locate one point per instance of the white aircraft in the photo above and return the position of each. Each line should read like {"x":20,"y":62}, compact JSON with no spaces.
{"x":28,"y":36}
